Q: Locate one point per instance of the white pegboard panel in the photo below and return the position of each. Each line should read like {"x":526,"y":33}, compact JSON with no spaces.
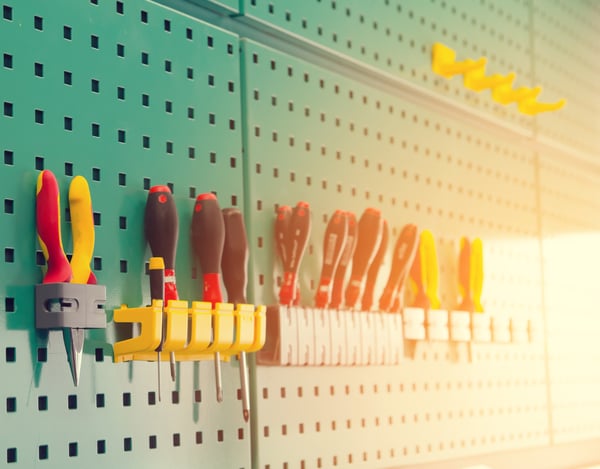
{"x":318,"y":136}
{"x":571,"y":240}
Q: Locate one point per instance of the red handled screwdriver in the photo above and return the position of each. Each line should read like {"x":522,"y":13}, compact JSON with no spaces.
{"x":367,"y":243}
{"x":346,"y":257}
{"x":465,"y":275}
{"x":367,"y":298}
{"x":295,"y":243}
{"x":234,"y":266}
{"x":208,"y":238}
{"x":161,"y":226}
{"x":333,"y":244}
{"x":404,"y":252}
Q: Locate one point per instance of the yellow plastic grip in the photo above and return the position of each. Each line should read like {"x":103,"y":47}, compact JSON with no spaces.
{"x":428,"y":253}
{"x":82,"y":226}
{"x":477,"y":273}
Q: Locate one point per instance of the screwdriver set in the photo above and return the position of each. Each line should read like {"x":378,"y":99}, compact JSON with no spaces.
{"x":342,"y":327}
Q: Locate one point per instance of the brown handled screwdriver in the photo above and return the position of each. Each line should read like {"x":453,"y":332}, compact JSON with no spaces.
{"x":404,"y":252}
{"x":156,"y":271}
{"x":295,"y":243}
{"x":347,"y":253}
{"x":234,"y":266}
{"x":161,"y":226}
{"x":367,"y":298}
{"x":367,"y":243}
{"x":282,"y":223}
{"x":333,"y":244}
{"x":208,"y":238}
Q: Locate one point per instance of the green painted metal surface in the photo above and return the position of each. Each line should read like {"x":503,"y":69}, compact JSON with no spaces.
{"x":396,"y":37}
{"x":318,"y":136}
{"x":129,"y":95}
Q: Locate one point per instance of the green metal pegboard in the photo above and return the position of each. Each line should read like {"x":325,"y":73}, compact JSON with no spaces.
{"x":396,"y":37}
{"x":566,"y":38}
{"x":316,"y":135}
{"x":129,"y":95}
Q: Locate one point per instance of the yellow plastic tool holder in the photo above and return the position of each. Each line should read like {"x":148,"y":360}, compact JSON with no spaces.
{"x":505,"y":94}
{"x":531,"y":106}
{"x":260,"y":329}
{"x":175,"y":334}
{"x":444,"y":62}
{"x":223,"y":336}
{"x":200,"y":323}
{"x":243,"y":317}
{"x":476,"y":79}
{"x":150,"y":318}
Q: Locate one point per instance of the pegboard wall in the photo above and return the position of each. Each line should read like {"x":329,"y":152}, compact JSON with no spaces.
{"x":268,"y":103}
{"x":129,"y":95}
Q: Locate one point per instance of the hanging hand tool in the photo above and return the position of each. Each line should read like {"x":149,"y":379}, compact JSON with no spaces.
{"x":465,"y":279}
{"x":333,"y":244}
{"x":294,"y":244}
{"x":369,"y":237}
{"x":404,"y":252}
{"x":234,"y":267}
{"x":82,"y":227}
{"x":367,"y":298}
{"x":477,"y":273}
{"x":208,"y":238}
{"x":424,"y":273}
{"x":161,"y":226}
{"x":48,"y":229}
{"x":347,"y":253}
{"x":156,"y":270}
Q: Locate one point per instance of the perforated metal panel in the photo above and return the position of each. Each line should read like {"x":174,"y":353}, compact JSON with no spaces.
{"x":566,"y":38}
{"x":396,"y":38}
{"x":318,"y":136}
{"x":569,"y":197}
{"x":128,"y":94}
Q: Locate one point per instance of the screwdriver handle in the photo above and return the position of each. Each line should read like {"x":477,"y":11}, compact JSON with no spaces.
{"x":369,"y":237}
{"x":47,"y":214}
{"x":161,"y":227}
{"x":373,"y":272}
{"x":477,"y":273}
{"x":208,"y":238}
{"x":282,"y":224}
{"x":234,"y":262}
{"x":335,"y":238}
{"x":82,"y":227}
{"x":404,"y":252}
{"x":464,"y":275}
{"x":417,"y":276}
{"x":295,"y":244}
{"x":347,"y":253}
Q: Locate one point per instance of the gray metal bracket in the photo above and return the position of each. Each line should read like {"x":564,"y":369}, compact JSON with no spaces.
{"x":70,"y":305}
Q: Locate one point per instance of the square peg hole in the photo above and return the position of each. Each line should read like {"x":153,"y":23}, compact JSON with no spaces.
{"x":43,"y":452}
{"x":11,"y":354}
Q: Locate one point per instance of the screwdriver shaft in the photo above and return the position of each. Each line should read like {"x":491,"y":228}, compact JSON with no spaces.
{"x":172,"y":359}
{"x":158,"y":372}
{"x":244,"y":386}
{"x":218,"y":378}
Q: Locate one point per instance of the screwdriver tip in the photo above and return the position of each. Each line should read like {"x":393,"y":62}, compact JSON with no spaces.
{"x":246,"y":415}
{"x":220,"y":395}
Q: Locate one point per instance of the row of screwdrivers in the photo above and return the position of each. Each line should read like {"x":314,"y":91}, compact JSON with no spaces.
{"x":360,"y":246}
{"x":219,"y":244}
